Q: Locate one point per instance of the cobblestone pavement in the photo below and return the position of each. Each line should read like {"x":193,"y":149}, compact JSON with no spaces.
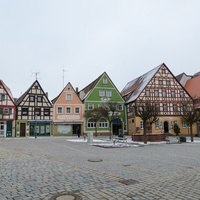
{"x":40,"y":168}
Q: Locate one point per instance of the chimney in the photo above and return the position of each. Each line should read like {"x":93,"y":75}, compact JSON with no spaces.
{"x":76,"y":89}
{"x":47,"y":94}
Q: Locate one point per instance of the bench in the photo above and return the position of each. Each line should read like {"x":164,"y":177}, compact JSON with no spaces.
{"x":172,"y":140}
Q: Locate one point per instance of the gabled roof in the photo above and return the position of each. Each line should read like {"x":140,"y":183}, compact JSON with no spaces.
{"x":20,"y":99}
{"x":55,"y":99}
{"x":88,"y":89}
{"x":8,"y":91}
{"x":193,"y":87}
{"x":136,"y":86}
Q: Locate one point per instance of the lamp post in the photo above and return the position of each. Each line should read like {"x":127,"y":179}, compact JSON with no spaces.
{"x":35,"y":126}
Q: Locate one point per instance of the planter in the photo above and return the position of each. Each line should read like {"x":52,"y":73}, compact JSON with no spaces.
{"x":157,"y":137}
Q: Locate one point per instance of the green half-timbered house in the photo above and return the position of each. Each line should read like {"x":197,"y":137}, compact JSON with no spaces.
{"x":98,"y":93}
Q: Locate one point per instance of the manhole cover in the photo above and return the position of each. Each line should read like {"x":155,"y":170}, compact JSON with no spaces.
{"x":95,"y":160}
{"x":128,"y":165}
{"x":129,"y":182}
{"x":67,"y":196}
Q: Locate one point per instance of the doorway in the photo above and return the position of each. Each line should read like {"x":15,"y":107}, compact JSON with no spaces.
{"x":9,"y":129}
{"x":166,"y":127}
{"x":117,"y":127}
{"x":22,"y":129}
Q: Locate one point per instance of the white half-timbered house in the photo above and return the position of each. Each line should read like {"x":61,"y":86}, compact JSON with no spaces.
{"x":34,"y":113}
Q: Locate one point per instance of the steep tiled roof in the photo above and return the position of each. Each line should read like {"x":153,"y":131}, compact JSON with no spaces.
{"x":135,"y":87}
{"x":8,"y":91}
{"x":193,"y":87}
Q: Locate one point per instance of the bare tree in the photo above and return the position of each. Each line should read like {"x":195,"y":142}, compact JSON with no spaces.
{"x":109,"y":111}
{"x":147,"y":112}
{"x":94,"y":114}
{"x":190,"y":116}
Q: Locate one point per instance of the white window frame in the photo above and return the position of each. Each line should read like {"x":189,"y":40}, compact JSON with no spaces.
{"x":103,"y":123}
{"x":75,"y":110}
{"x":66,"y":110}
{"x":157,"y":124}
{"x":108,"y":93}
{"x":91,"y":123}
{"x":156,"y":93}
{"x":120,"y":107}
{"x":184,"y":124}
{"x":102,"y":93}
{"x":105,"y":81}
{"x":69,"y":96}
{"x":147,"y":93}
{"x":90,"y":106}
{"x":58,"y":111}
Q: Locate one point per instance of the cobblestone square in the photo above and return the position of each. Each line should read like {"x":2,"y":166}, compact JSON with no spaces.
{"x":43,"y":167}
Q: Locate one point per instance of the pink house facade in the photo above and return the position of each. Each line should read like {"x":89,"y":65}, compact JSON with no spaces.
{"x":67,"y":113}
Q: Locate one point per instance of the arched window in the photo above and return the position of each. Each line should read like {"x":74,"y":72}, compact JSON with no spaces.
{"x":91,"y":123}
{"x":103,"y":123}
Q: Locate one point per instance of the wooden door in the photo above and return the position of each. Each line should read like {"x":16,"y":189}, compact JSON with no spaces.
{"x":22,"y":129}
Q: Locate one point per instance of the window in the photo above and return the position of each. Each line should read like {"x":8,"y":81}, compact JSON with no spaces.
{"x":77,"y":110}
{"x":163,"y":71}
{"x":168,"y":82}
{"x":24,"y":111}
{"x":175,"y":108}
{"x":101,"y":93}
{"x":105,"y":81}
{"x":181,"y":94}
{"x":160,"y":82}
{"x":120,"y":107}
{"x":10,"y":111}
{"x":39,"y":98}
{"x":108,"y":93}
{"x":46,"y":112}
{"x":165,"y":107}
{"x":31,"y":98}
{"x":103,"y":123}
{"x":91,"y":123}
{"x":59,"y":110}
{"x":141,"y":125}
{"x":164,"y":93}
{"x":147,"y":93}
{"x":90,"y":106}
{"x":37,"y":112}
{"x":157,"y":108}
{"x":68,"y":110}
{"x":184,"y":124}
{"x":3,"y":97}
{"x":172,"y":93}
{"x":156,"y":93}
{"x":69,"y":97}
{"x":157,"y":124}
{"x":6,"y":111}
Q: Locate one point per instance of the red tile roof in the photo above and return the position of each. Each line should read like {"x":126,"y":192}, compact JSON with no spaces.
{"x":193,"y":87}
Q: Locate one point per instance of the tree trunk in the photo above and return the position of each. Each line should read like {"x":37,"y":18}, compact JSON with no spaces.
{"x":145,"y":134}
{"x":110,"y":130}
{"x":96,"y":130}
{"x":191,"y":134}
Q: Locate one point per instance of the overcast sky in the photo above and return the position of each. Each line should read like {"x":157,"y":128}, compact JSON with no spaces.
{"x":125,"y":38}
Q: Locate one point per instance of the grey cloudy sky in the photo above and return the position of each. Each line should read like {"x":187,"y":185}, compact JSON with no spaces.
{"x":125,"y":38}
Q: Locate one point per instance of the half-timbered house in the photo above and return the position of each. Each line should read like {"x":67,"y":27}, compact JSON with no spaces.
{"x":98,"y":93}
{"x":34,"y":113}
{"x":161,"y":87}
{"x":7,"y":111}
{"x":67,"y":112}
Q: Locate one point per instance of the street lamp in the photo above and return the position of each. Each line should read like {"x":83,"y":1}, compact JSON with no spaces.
{"x":35,"y":126}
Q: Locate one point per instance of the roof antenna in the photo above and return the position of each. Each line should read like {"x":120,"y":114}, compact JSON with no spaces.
{"x":36,"y":75}
{"x":63,"y":76}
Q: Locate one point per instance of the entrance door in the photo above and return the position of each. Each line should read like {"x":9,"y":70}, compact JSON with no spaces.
{"x":9,"y":129}
{"x":166,"y":127}
{"x":117,"y":127}
{"x":22,"y":129}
